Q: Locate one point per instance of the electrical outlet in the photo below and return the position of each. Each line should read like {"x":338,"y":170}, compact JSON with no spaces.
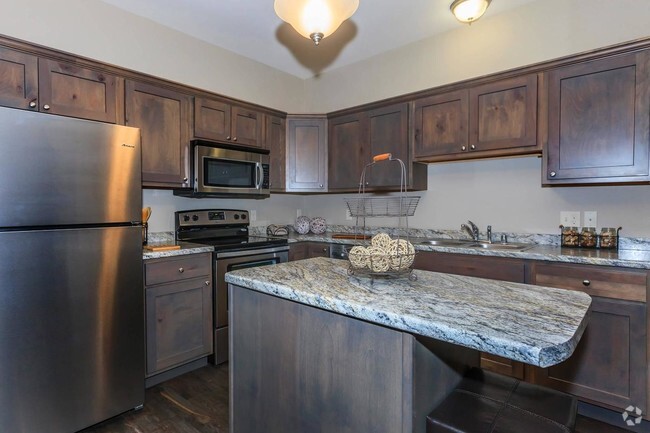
{"x":591,"y":218}
{"x":570,"y":218}
{"x":298,"y":212}
{"x":253,"y":215}
{"x":348,"y":215}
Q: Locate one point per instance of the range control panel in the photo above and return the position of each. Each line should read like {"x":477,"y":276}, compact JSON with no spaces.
{"x":211,"y":217}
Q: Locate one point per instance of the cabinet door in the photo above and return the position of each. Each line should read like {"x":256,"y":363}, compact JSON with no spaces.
{"x":346,"y":149}
{"x":599,"y":121}
{"x":211,"y":119}
{"x":246,"y":126}
{"x":275,"y":142}
{"x":318,"y":249}
{"x":18,"y":79}
{"x":179,"y":323}
{"x":298,"y":251}
{"x":441,"y":123}
{"x":503,"y":115}
{"x":307,"y":158}
{"x":70,"y":90}
{"x":388,"y":133}
{"x":163,"y":118}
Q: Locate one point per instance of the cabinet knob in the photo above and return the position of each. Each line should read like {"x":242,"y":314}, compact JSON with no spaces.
{"x":228,"y":137}
{"x":325,"y":249}
{"x":234,"y":139}
{"x":185,"y":179}
{"x":32,"y":103}
{"x":207,"y":283}
{"x":586,"y":282}
{"x":463,"y":148}
{"x":321,"y":185}
{"x":46,"y":107}
{"x":181,"y":270}
{"x":552,"y":174}
{"x":472,"y":147}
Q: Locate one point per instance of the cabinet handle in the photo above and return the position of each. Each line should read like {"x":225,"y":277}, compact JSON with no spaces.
{"x":552,"y":174}
{"x":228,"y":137}
{"x":46,"y":107}
{"x":32,"y":103}
{"x":472,"y":147}
{"x":463,"y":148}
{"x":181,"y":270}
{"x":586,"y":282}
{"x":207,"y":283}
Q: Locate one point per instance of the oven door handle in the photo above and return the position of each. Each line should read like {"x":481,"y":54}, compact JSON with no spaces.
{"x":253,"y":252}
{"x":259,"y":175}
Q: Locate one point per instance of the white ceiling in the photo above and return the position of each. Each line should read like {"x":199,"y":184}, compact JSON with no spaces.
{"x":251,"y":29}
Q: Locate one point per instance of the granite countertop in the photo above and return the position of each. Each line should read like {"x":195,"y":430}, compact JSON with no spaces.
{"x":185,"y":248}
{"x":533,"y":324}
{"x":639,"y":259}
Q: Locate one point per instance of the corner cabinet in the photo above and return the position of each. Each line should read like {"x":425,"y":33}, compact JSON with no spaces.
{"x":599,"y":121}
{"x":178,"y":299}
{"x":57,"y":87}
{"x":495,"y":119}
{"x":306,"y":154}
{"x":221,"y":121}
{"x":163,"y":116}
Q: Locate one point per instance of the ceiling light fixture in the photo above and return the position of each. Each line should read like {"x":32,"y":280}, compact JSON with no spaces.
{"x":468,"y":11}
{"x":315,"y":19}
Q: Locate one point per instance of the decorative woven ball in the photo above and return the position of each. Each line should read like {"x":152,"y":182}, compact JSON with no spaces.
{"x":381,"y":240}
{"x":301,"y":225}
{"x":358,"y":257}
{"x":317,"y":225}
{"x":378,"y":260}
{"x":401,"y":253}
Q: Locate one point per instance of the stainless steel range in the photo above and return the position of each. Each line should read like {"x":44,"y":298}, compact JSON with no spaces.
{"x":234,"y":248}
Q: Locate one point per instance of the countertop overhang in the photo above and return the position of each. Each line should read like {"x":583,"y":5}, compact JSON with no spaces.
{"x":532,"y":324}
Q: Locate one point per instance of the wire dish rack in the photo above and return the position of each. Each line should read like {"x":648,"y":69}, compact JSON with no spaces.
{"x":383,"y":256}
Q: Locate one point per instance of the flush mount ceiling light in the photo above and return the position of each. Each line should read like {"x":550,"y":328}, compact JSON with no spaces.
{"x":315,"y":19}
{"x":468,"y":11}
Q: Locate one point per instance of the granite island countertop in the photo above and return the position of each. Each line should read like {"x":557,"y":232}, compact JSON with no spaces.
{"x":536,"y":325}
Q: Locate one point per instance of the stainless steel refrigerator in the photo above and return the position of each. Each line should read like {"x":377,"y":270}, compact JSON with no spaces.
{"x":71,"y":297}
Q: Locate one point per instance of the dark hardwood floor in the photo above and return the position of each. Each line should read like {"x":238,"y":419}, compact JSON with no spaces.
{"x":197,"y":402}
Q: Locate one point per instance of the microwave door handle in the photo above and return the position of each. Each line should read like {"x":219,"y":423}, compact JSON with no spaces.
{"x":259,"y":176}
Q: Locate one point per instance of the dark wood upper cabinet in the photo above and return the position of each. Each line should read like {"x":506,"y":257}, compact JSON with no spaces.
{"x":275,"y":142}
{"x":347,"y":151}
{"x":222,"y":121}
{"x":503,"y":114}
{"x":307,"y":154}
{"x":163,"y":118}
{"x":18,"y":79}
{"x":441,"y":125}
{"x":70,"y":90}
{"x":388,"y":133}
{"x":599,"y":121}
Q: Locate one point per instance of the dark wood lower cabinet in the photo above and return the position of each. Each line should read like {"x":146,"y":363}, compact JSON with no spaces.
{"x":307,"y":250}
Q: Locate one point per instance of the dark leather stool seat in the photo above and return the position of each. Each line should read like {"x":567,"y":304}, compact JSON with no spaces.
{"x":485,"y":402}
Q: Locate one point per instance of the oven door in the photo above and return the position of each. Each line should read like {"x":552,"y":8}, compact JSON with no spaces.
{"x":228,"y":171}
{"x":231,"y":261}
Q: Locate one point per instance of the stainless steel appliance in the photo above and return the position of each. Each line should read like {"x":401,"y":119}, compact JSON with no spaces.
{"x":339,"y":251}
{"x":71,"y":298}
{"x":226,"y":170}
{"x":234,"y":248}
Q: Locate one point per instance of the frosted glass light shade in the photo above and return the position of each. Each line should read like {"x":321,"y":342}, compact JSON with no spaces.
{"x":467,"y":11}
{"x":315,"y":19}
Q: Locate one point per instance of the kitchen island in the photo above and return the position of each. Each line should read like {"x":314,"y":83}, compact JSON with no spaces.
{"x":313,"y":349}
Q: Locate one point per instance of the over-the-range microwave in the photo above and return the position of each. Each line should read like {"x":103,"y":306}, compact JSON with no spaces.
{"x":227,"y":170}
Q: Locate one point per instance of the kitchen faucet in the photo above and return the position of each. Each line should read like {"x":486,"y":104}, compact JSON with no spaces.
{"x":472,"y":232}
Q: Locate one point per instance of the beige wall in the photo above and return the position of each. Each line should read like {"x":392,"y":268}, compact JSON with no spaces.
{"x":103,"y":32}
{"x":535,"y":32}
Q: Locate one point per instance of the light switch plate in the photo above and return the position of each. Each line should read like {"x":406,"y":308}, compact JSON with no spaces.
{"x":591,"y":218}
{"x":570,"y":218}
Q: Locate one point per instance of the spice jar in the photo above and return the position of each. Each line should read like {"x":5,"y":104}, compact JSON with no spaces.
{"x":569,"y":236}
{"x":608,"y":238}
{"x":588,"y":237}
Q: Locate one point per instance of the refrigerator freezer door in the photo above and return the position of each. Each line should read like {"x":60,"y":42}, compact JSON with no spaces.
{"x":71,"y":327}
{"x":57,"y":170}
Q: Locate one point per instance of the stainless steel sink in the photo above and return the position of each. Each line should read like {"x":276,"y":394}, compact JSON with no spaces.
{"x":510,"y":246}
{"x":446,"y":242}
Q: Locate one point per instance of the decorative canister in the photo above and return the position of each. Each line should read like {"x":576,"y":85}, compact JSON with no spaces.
{"x":317,"y":225}
{"x":588,"y":237}
{"x":301,"y":226}
{"x":569,"y":236}
{"x":608,"y":238}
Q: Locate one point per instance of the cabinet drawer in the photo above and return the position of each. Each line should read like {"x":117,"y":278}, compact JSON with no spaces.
{"x":625,"y":284}
{"x":184,"y":268}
